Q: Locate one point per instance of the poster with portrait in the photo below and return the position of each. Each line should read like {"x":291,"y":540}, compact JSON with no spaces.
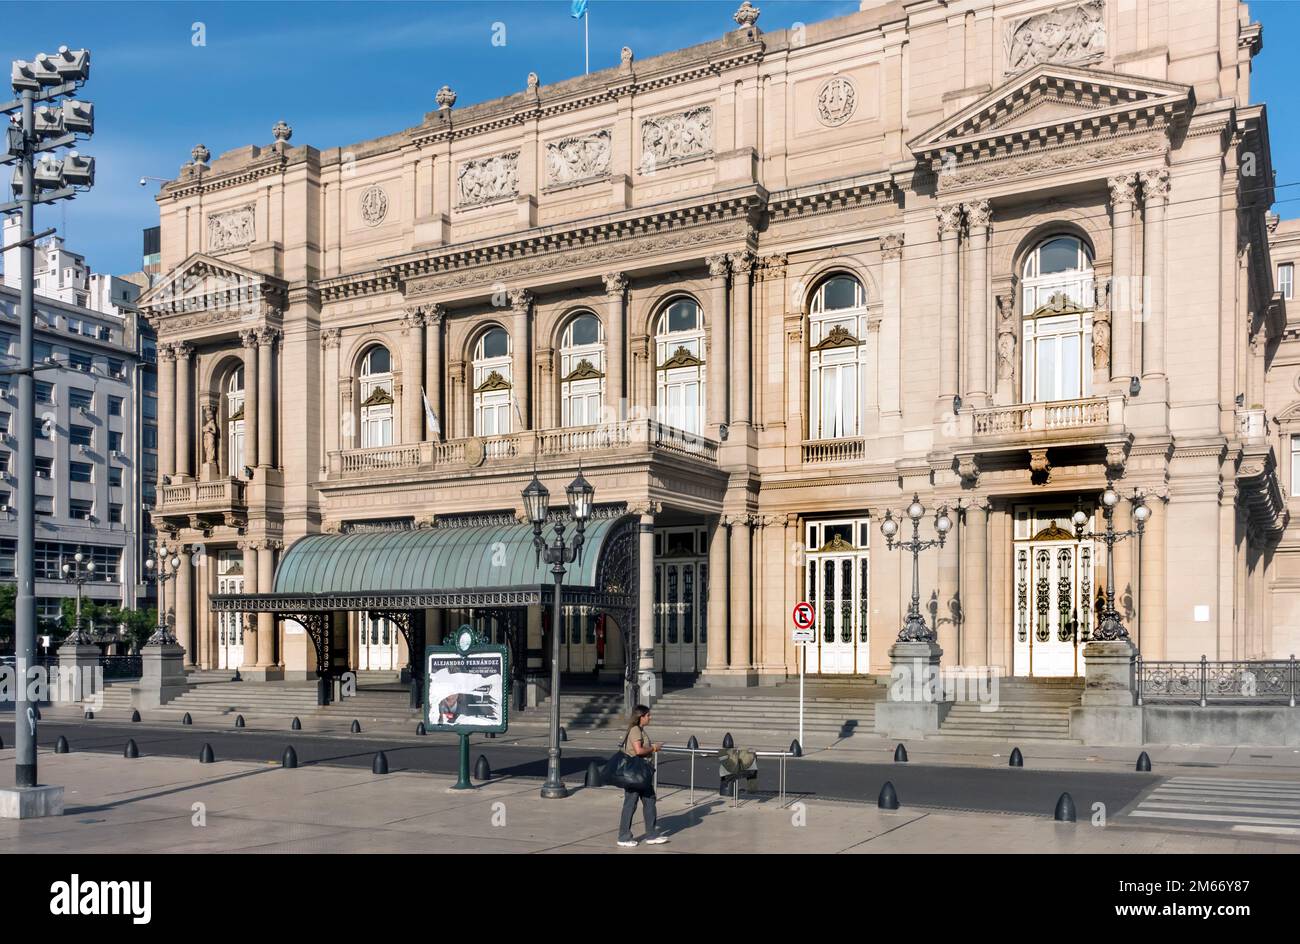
{"x":466,"y":689}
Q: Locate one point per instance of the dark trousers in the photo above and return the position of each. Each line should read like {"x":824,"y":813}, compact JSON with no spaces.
{"x":629,"y":809}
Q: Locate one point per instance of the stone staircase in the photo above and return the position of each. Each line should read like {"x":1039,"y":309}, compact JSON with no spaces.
{"x":1027,"y":710}
{"x":214,"y":694}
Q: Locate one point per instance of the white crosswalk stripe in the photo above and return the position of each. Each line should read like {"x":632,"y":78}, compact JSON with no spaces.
{"x":1270,"y":807}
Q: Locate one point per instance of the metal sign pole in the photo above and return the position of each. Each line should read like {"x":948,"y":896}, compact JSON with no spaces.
{"x":802,"y":662}
{"x":462,"y":781}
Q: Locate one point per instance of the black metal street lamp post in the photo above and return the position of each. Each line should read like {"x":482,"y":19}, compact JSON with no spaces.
{"x":78,"y":571}
{"x":914,"y":627}
{"x":558,"y":554}
{"x":1111,"y":626}
{"x":161,"y":570}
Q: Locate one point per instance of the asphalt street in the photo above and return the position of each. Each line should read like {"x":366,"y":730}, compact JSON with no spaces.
{"x":999,"y":790}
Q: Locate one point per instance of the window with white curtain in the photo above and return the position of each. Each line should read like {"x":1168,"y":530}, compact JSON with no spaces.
{"x":837,"y":358}
{"x":1295,"y":465}
{"x":1057,"y":298}
{"x":582,"y":371}
{"x":679,"y":365}
{"x":1286,"y":279}
{"x":235,"y":423}
{"x":376,"y":398}
{"x":492,"y":387}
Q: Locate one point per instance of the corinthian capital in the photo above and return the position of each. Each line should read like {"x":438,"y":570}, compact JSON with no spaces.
{"x":949,"y":218}
{"x":520,"y":299}
{"x":268,"y":336}
{"x":978,"y":214}
{"x":166,"y":353}
{"x":434,"y":315}
{"x":329,"y":338}
{"x":413,"y":318}
{"x":1123,"y":191}
{"x":742,"y":262}
{"x":615,"y":283}
{"x":1155,"y":184}
{"x":891,"y":245}
{"x":183,"y":350}
{"x":248,"y":338}
{"x":718,"y":266}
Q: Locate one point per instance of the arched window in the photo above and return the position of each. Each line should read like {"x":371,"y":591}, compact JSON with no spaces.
{"x":1057,"y":302}
{"x":836,"y":358}
{"x":679,"y":365}
{"x":376,"y":398}
{"x":492,"y":388}
{"x":235,"y":423}
{"x":582,"y":371}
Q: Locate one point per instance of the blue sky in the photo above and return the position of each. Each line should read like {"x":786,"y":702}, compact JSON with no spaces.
{"x":340,"y":72}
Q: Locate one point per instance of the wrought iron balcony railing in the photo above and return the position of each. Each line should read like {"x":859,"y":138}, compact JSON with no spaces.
{"x":1239,"y":682}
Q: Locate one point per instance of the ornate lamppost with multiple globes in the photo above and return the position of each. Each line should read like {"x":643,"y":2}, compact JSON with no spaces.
{"x":914,"y":627}
{"x":77,"y":571}
{"x":537,"y":500}
{"x":1111,"y":625}
{"x":162,"y":569}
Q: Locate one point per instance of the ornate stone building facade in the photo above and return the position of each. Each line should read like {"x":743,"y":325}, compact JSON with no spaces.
{"x":759,"y":291}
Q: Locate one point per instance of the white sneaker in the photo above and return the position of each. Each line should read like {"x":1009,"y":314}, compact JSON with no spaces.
{"x":629,"y":843}
{"x":656,"y":841}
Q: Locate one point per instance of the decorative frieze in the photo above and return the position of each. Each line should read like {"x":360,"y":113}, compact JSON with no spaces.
{"x":1050,"y":160}
{"x":231,"y":229}
{"x":671,"y":139}
{"x":487,"y":179}
{"x":1072,"y":35}
{"x":578,"y":158}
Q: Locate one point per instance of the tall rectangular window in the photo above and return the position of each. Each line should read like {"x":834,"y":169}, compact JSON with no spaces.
{"x":81,"y":510}
{"x":114,"y":475}
{"x":1295,"y":465}
{"x":44,"y":392}
{"x":114,"y":442}
{"x":81,"y":472}
{"x":80,"y":399}
{"x":44,"y":467}
{"x":80,"y":435}
{"x":114,"y":406}
{"x":1286,"y":279}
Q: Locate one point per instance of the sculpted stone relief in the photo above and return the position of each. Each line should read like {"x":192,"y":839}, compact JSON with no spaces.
{"x":230,"y":229}
{"x":581,"y":157}
{"x":836,"y":101}
{"x":374,"y":205}
{"x":668,"y":139}
{"x":1073,"y":34}
{"x":487,"y":179}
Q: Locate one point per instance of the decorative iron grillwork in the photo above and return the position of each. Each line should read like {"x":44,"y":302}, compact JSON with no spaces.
{"x":1064,"y":581}
{"x":1043,"y":561}
{"x":1241,"y":682}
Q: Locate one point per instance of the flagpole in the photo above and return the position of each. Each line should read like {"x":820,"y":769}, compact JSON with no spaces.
{"x":586,"y":43}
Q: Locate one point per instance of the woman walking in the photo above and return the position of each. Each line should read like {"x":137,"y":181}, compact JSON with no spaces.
{"x":636,"y":743}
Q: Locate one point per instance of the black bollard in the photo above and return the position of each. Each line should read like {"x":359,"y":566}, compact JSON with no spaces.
{"x":239,"y":721}
{"x":564,"y":735}
{"x":131,"y":750}
{"x":1017,"y":759}
{"x":727,"y":742}
{"x":380,"y":765}
{"x":187,"y":719}
{"x":482,"y":770}
{"x":420,"y":729}
{"x":888,"y":797}
{"x":2,"y":744}
{"x":900,"y":754}
{"x":795,"y":749}
{"x":493,"y":736}
{"x":1065,"y":809}
{"x":36,"y":712}
{"x":205,"y":755}
{"x":1144,"y":763}
{"x":88,"y":716}
{"x":692,"y":743}
{"x":289,"y":758}
{"x":593,"y":774}
{"x":61,"y":745}
{"x":356,"y":726}
{"x":295,"y":724}
{"x":135,"y":716}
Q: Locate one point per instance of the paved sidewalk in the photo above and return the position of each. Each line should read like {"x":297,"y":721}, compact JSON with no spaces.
{"x":149,"y":805}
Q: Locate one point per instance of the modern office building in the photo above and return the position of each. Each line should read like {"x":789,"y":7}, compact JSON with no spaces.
{"x":761,"y":292}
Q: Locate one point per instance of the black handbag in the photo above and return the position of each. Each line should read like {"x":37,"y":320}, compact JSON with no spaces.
{"x":630,"y":773}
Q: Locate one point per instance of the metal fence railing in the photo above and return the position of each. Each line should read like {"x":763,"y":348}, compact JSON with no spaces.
{"x":1234,"y":682}
{"x":782,"y":757}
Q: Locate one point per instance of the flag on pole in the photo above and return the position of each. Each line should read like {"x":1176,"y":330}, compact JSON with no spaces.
{"x":578,"y":9}
{"x":515,"y":403}
{"x":435,"y":429}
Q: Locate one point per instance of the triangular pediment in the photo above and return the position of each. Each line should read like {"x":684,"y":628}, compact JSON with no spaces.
{"x":203,"y":282}
{"x":1050,"y":100}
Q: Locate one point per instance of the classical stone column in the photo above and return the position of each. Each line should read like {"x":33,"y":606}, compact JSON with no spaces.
{"x":978,"y":214}
{"x":412,"y":363}
{"x":166,"y":410}
{"x":249,"y":340}
{"x":265,"y":621}
{"x":250,"y":586}
{"x":647,"y":681}
{"x":1122,"y":295}
{"x":717,"y":641}
{"x":457,"y":398}
{"x":266,"y":339}
{"x":434,"y":315}
{"x":615,"y":308}
{"x":521,"y":301}
{"x":1155,"y":195}
{"x":185,"y":608}
{"x":547,"y":389}
{"x":329,"y":344}
{"x":742,"y":271}
{"x":715,"y":364}
{"x":184,"y":407}
{"x":742,"y":589}
{"x":974,"y":587}
{"x":949,"y":307}
{"x":891,"y":332}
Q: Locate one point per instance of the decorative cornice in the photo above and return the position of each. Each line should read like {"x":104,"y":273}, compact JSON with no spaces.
{"x":494,"y":381}
{"x":681,"y":358}
{"x":838,"y":336}
{"x":584,"y":370}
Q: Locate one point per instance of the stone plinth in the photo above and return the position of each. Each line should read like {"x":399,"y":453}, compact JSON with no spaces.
{"x":914,"y":706}
{"x":77,"y":672}
{"x":30,"y":802}
{"x":162,"y":676}
{"x":1109,"y":714}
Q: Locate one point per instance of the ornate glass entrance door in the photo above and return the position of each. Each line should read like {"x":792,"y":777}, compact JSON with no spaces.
{"x":837,"y":587}
{"x":1055,"y":577}
{"x":377,"y":644}
{"x":581,"y":648}
{"x":681,"y":599}
{"x":230,"y":626}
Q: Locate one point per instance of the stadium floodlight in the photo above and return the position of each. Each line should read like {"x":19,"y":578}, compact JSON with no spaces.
{"x":11,"y":145}
{"x":48,"y":120}
{"x":48,"y":173}
{"x":78,"y":171}
{"x":73,"y":65}
{"x":78,"y":117}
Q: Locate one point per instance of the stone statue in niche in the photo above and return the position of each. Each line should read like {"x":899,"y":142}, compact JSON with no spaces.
{"x":1074,"y":34}
{"x":211,"y":438}
{"x":581,"y":157}
{"x":677,"y":137}
{"x":1006,"y":338}
{"x":487,"y":179}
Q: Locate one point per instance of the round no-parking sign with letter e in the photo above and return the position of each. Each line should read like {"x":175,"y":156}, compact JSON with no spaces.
{"x":804,"y":620}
